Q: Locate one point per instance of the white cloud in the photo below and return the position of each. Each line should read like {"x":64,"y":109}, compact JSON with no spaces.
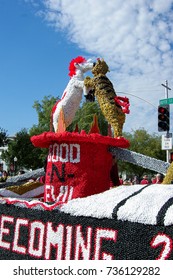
{"x":134,"y":37}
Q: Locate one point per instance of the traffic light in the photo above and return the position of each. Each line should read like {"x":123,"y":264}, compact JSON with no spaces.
{"x":163,"y":118}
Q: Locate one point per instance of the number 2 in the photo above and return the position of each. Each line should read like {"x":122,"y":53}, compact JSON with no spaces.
{"x":166,"y":241}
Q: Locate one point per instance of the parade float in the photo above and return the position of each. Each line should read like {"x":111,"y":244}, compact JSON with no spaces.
{"x":75,"y":214}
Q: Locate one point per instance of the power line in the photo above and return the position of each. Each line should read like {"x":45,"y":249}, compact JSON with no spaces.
{"x":137,"y":97}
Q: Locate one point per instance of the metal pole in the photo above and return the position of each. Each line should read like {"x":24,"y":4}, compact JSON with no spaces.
{"x":167,"y":133}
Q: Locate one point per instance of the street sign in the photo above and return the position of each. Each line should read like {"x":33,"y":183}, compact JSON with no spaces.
{"x":166,"y":101}
{"x":166,"y":142}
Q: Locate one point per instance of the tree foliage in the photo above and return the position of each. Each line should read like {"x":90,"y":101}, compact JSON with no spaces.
{"x":144,"y":143}
{"x":3,"y":137}
{"x":84,"y":118}
{"x":22,"y":148}
{"x":28,"y":156}
{"x":43,"y":110}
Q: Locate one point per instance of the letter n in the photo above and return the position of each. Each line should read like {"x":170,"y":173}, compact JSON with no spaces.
{"x":83,"y":247}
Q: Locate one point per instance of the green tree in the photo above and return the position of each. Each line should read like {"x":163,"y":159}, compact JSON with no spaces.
{"x":84,"y":118}
{"x":43,"y":110}
{"x":3,"y":137}
{"x":22,"y":148}
{"x":144,"y":143}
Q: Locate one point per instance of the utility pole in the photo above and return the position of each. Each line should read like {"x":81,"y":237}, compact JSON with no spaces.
{"x":166,"y":88}
{"x":167,"y":133}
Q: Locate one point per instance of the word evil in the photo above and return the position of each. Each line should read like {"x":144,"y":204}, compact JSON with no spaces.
{"x":41,"y":238}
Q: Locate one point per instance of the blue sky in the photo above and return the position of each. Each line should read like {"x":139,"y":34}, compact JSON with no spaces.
{"x":39,"y":39}
{"x":33,"y":63}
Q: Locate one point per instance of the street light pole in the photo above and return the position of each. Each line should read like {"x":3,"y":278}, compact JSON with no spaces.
{"x":15,"y":161}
